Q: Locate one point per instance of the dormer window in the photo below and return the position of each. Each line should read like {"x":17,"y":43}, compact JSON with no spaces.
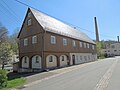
{"x":29,"y":22}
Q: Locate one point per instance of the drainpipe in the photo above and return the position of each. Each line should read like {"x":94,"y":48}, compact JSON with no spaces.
{"x":43,"y":61}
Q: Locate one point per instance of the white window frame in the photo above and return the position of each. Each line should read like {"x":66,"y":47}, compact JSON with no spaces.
{"x":34,"y":39}
{"x":84,"y":45}
{"x":88,"y":45}
{"x":81,"y":44}
{"x":93,"y":47}
{"x":29,"y":14}
{"x":64,"y":41}
{"x":53,"y":40}
{"x":73,"y":43}
{"x":25,"y":42}
{"x":29,"y":22}
{"x":50,"y":58}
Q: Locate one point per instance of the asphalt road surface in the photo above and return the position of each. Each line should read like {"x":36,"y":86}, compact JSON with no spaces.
{"x":99,"y":75}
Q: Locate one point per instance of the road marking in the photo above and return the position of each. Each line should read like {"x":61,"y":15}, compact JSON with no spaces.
{"x":104,"y":81}
{"x":47,"y":78}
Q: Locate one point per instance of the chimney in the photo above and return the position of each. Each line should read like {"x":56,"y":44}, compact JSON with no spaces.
{"x":118,"y":38}
{"x":96,"y":30}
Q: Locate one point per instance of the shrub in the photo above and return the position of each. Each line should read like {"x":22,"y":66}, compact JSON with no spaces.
{"x":3,"y":78}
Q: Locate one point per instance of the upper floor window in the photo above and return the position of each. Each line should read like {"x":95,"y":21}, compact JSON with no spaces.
{"x":34,"y":39}
{"x":113,"y":46}
{"x":64,"y":41}
{"x":53,"y":40}
{"x":93,"y":47}
{"x":29,"y":14}
{"x":81,"y":44}
{"x":88,"y":45}
{"x":73,"y":43}
{"x":29,"y":22}
{"x":25,"y":41}
{"x":84,"y":45}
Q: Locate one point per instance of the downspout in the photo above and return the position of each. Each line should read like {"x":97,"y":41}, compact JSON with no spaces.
{"x":43,"y":61}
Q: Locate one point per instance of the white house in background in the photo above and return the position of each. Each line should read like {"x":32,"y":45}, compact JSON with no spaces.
{"x":114,"y":49}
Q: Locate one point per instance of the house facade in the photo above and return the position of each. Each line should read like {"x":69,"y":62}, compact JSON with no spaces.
{"x":46,"y":43}
{"x":113,"y":50}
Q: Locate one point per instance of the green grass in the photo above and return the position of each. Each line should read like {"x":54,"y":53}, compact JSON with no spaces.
{"x":14,"y":83}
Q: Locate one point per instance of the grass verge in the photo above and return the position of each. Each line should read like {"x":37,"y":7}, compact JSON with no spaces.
{"x":14,"y":83}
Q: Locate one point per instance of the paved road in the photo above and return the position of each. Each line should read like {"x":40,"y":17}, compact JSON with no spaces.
{"x":99,"y":75}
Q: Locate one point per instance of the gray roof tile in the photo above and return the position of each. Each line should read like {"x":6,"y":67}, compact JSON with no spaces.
{"x":52,"y":25}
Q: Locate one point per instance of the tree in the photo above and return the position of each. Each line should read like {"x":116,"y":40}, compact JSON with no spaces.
{"x":5,"y":47}
{"x":14,"y":41}
{"x":5,"y":53}
{"x":3,"y":34}
{"x":99,"y":48}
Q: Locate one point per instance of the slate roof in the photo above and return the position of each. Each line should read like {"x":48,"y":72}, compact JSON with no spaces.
{"x":52,"y":25}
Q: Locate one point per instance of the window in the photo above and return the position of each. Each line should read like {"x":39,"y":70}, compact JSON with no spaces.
{"x":62,"y":58}
{"x":37,"y":59}
{"x":73,"y":43}
{"x":29,"y":14}
{"x":93,"y":47}
{"x":34,"y":39}
{"x":115,"y":50}
{"x":64,"y":41}
{"x":50,"y":59}
{"x":88,"y":45}
{"x":29,"y":22}
{"x":25,"y":60}
{"x":85,"y":58}
{"x":112,"y":46}
{"x":84,"y":45}
{"x":25,"y":42}
{"x":81,"y":44}
{"x":80,"y":57}
{"x":89,"y":57}
{"x":53,"y":40}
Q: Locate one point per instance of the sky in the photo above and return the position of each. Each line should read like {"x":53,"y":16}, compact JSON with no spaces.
{"x":77,"y":13}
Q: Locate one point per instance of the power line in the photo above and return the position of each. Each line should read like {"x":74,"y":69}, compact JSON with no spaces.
{"x":74,"y":26}
{"x":11,"y":13}
{"x":6,"y":14}
{"x":10,"y":10}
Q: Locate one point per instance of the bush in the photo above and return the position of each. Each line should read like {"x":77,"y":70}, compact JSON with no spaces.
{"x":3,"y":78}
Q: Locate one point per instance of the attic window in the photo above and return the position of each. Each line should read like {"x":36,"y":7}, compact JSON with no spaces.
{"x":29,"y":22}
{"x":29,"y":14}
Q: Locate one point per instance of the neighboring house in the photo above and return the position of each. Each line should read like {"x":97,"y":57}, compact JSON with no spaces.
{"x":45,"y":42}
{"x":114,"y":49}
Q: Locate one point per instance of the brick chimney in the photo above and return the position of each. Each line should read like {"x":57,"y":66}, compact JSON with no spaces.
{"x":118,"y":38}
{"x":96,"y":30}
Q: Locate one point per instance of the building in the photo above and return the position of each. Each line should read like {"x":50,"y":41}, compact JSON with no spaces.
{"x":45,"y":42}
{"x":113,"y":50}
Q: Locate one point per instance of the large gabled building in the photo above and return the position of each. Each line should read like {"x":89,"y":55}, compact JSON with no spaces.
{"x":45,"y":42}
